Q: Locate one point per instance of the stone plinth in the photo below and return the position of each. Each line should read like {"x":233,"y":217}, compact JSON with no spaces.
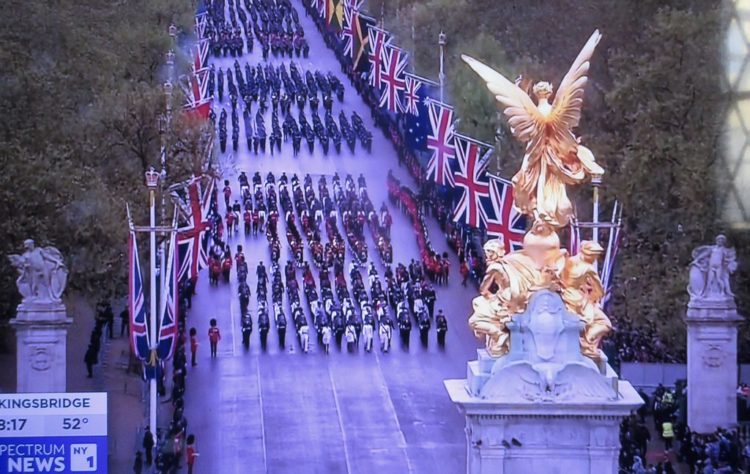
{"x":712,"y":364}
{"x":41,"y":339}
{"x":543,"y":407}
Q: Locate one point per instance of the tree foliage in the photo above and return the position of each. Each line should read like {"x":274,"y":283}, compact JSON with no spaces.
{"x":652,"y":115}
{"x":82,"y":90}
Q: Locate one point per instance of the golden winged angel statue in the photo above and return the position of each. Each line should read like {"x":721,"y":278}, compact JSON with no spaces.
{"x":554,"y":157}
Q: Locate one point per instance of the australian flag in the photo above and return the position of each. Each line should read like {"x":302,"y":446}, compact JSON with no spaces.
{"x":139,"y":342}
{"x":168,"y":307}
{"x":417,"y":125}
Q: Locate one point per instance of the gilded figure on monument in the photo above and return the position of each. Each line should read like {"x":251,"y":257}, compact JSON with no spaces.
{"x":553,"y":159}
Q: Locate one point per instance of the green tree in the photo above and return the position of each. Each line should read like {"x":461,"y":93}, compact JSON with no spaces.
{"x":82,"y":90}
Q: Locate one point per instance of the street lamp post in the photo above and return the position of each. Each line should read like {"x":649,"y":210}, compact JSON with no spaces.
{"x":441,"y":41}
{"x":152,"y":181}
{"x":170,"y":63}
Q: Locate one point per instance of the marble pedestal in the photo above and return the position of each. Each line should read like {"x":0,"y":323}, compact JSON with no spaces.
{"x":41,"y":340}
{"x":712,"y":364}
{"x":543,"y":407}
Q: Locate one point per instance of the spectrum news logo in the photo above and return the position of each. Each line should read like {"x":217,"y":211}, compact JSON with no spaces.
{"x":83,"y":458}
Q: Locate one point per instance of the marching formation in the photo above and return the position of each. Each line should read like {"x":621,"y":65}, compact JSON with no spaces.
{"x":342,"y":304}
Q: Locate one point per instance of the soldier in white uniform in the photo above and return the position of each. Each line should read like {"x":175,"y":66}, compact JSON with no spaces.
{"x":367,"y":333}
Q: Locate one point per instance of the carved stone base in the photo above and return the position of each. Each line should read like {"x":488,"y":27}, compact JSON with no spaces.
{"x":41,"y":340}
{"x":712,"y":367}
{"x":543,"y":407}
{"x":579,"y":437}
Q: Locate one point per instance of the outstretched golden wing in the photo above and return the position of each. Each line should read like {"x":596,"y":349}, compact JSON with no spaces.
{"x":566,"y":108}
{"x":523,"y":117}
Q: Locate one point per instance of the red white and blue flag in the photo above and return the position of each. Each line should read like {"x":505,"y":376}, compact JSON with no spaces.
{"x":168,"y":307}
{"x":504,"y":220}
{"x":441,"y":142}
{"x":392,"y":78}
{"x":200,"y":54}
{"x":193,"y":237}
{"x":201,"y":20}
{"x":471,"y":181}
{"x":197,"y":96}
{"x":139,"y":342}
{"x":321,"y":6}
{"x":410,"y":103}
{"x":378,"y":39}
{"x":351,"y":23}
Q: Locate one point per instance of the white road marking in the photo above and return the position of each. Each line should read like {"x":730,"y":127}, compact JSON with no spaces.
{"x":392,"y":410}
{"x":341,"y":424}
{"x":262,"y":424}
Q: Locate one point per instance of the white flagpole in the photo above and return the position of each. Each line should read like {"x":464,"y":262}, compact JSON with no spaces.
{"x":152,"y":180}
{"x":610,"y":242}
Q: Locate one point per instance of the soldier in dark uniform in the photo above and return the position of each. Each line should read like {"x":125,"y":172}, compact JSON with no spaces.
{"x":428,"y":295}
{"x":220,"y":84}
{"x":441,"y":324}
{"x":211,"y":80}
{"x":223,"y":130}
{"x":248,"y":128}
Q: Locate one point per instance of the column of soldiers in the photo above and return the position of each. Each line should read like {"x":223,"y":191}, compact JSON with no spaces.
{"x":284,"y":87}
{"x":273,"y":22}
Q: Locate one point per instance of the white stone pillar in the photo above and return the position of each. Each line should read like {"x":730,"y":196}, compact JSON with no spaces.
{"x":41,"y":340}
{"x":712,"y":364}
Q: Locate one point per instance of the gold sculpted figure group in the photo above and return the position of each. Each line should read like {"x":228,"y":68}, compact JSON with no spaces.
{"x":553,"y":159}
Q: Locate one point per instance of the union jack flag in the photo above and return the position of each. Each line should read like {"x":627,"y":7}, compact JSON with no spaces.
{"x":322,"y":7}
{"x":168,"y":308}
{"x":441,"y":142}
{"x":193,"y":238}
{"x":392,"y":77}
{"x":198,"y":91}
{"x":198,"y":97}
{"x":139,"y":341}
{"x":200,"y":54}
{"x":200,"y":24}
{"x":351,"y":23}
{"x":378,"y":40}
{"x":411,"y":95}
{"x":472,"y":181}
{"x":504,"y":220}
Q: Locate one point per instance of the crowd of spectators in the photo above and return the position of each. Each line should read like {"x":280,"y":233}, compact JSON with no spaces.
{"x":642,"y":343}
{"x":670,"y":446}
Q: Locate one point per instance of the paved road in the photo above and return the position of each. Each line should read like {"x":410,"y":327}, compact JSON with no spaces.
{"x":282,"y":411}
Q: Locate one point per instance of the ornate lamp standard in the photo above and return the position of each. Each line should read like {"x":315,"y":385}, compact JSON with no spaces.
{"x":152,"y":181}
{"x":442,"y":40}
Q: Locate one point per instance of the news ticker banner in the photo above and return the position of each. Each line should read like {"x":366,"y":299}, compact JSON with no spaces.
{"x":53,"y":432}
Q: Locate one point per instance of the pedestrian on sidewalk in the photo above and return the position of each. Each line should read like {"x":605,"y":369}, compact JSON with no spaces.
{"x":148,"y":445}
{"x":667,"y":434}
{"x":90,"y":359}
{"x":214,"y":336}
{"x":124,"y":321}
{"x":193,"y":345}
{"x":138,"y":464}
{"x":191,"y":453}
{"x":109,"y":318}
